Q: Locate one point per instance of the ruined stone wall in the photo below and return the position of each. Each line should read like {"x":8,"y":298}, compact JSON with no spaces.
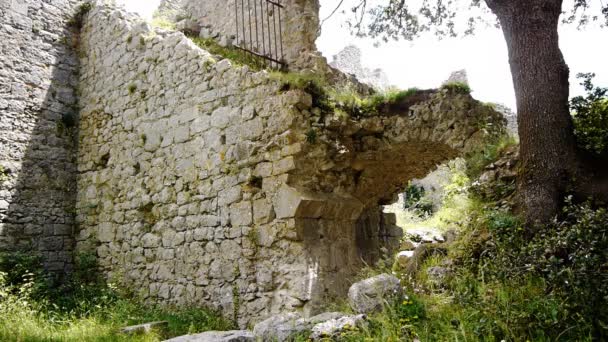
{"x":300,"y":22}
{"x":194,"y":181}
{"x":180,"y":160}
{"x":208,"y":184}
{"x":38,"y":75}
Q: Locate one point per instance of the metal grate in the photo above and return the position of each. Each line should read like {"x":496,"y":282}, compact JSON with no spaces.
{"x":259,"y":30}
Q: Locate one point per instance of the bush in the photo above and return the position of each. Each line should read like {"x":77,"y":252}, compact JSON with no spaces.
{"x":415,"y":201}
{"x":457,"y":88}
{"x":569,"y":258}
{"x":478,"y":160}
{"x":590,"y":115}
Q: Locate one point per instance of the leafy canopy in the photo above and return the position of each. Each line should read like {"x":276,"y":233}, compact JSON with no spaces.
{"x":401,"y":19}
{"x":591,"y":116}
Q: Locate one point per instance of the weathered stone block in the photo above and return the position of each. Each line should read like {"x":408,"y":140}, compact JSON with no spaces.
{"x":241,"y":214}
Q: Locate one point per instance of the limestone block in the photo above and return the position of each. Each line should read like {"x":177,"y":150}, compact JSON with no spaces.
{"x":229,"y":196}
{"x":286,"y":202}
{"x":369,"y":295}
{"x":221,"y":117}
{"x":334,"y":327}
{"x":217,"y":336}
{"x":106,"y":232}
{"x":150,"y":240}
{"x":280,"y":328}
{"x":263,"y":170}
{"x":283,"y":166}
{"x":263,"y":211}
{"x":241,"y":214}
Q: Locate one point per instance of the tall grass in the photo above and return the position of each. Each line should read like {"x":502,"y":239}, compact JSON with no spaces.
{"x":83,"y":308}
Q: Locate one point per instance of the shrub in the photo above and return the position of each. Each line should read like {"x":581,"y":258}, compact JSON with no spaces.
{"x":311,"y":136}
{"x":478,"y":160}
{"x":590,"y":115}
{"x":132,"y":88}
{"x":570,"y":258}
{"x":415,"y":200}
{"x":354,"y":105}
{"x":457,"y":88}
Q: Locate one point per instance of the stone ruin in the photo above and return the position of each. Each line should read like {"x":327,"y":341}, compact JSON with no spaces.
{"x":348,"y":60}
{"x":216,"y":19}
{"x":194,"y":181}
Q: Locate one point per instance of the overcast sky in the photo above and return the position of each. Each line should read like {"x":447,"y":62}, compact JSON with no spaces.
{"x":427,"y":62}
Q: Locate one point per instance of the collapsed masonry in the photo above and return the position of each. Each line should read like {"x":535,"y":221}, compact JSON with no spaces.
{"x":198,"y":182}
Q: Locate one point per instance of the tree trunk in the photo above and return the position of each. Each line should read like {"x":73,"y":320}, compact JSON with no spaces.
{"x":540,"y":76}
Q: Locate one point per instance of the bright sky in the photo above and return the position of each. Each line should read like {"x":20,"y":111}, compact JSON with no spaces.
{"x":427,"y":62}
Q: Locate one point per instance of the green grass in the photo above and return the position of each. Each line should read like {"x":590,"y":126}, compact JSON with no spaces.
{"x":354,"y":105}
{"x":457,"y":88}
{"x":83,"y":308}
{"x":163,"y":23}
{"x":22,"y":320}
{"x":238,"y":57}
{"x":478,"y":160}
{"x":504,"y":285}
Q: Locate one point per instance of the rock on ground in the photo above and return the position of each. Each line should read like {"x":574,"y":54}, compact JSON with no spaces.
{"x":370,"y":294}
{"x":283,"y":327}
{"x":217,"y":336}
{"x":334,"y":327}
{"x":144,"y":328}
{"x":280,"y":327}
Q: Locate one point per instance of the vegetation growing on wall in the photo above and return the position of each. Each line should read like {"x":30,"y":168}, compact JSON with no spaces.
{"x":238,"y":57}
{"x":345,"y":102}
{"x":77,"y":19}
{"x":457,"y":88}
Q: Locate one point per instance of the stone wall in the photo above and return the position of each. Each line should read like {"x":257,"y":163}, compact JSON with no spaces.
{"x":349,"y":61}
{"x":38,"y":75}
{"x":194,"y":181}
{"x":180,"y":160}
{"x":203,"y":183}
{"x":300,"y":22}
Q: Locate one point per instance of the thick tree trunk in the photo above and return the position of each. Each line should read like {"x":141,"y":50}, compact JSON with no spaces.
{"x":540,"y":76}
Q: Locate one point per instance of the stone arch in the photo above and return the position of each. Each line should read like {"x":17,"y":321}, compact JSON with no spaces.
{"x":336,"y":192}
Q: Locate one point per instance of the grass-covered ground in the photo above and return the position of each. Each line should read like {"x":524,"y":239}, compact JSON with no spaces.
{"x":505,"y":285}
{"x":83,"y":308}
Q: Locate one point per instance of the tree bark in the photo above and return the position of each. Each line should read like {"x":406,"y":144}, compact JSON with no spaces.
{"x":540,"y":77}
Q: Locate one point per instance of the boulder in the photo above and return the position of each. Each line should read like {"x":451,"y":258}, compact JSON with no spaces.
{"x":285,"y":326}
{"x":326,"y":316}
{"x":369,"y":295}
{"x":334,"y":327}
{"x":425,"y":235}
{"x":407,"y":246}
{"x":281,"y":327}
{"x":403,"y":257}
{"x":217,"y":336}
